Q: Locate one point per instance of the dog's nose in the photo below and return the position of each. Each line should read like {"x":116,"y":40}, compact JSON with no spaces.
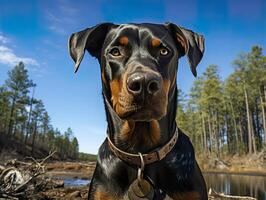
{"x":135,"y":83}
{"x":153,"y":84}
{"x":143,"y":82}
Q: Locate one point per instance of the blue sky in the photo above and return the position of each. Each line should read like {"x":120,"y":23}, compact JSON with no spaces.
{"x":36,"y":32}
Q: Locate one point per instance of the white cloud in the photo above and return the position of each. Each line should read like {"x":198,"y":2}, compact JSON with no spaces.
{"x":3,"y":39}
{"x":8,"y":57}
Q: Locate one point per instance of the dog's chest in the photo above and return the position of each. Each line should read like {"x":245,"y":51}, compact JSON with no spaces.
{"x":167,"y":175}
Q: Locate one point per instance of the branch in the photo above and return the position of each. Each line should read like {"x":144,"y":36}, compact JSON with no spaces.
{"x":11,"y":178}
{"x":213,"y":195}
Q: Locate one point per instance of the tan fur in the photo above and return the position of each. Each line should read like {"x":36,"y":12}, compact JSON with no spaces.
{"x":123,"y":40}
{"x":150,"y":139}
{"x":155,"y":42}
{"x":100,"y":195}
{"x":115,"y":86}
{"x":127,"y":130}
{"x":166,"y":87}
{"x":155,"y":132}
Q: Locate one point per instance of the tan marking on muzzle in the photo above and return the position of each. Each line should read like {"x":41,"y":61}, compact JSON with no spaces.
{"x":115,"y":86}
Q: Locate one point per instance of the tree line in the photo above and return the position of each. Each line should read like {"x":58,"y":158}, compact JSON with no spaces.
{"x":24,"y":118}
{"x":227,"y":117}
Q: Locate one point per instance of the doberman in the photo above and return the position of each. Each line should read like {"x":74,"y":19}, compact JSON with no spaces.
{"x":145,"y":156}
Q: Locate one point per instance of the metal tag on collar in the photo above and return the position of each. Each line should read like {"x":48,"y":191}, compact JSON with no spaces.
{"x":141,"y":168}
{"x":140,"y":189}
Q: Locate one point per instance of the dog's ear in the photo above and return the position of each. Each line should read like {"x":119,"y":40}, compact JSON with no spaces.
{"x":192,"y":44}
{"x":90,"y":39}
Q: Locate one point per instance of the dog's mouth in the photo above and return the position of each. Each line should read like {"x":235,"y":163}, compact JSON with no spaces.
{"x":141,"y":110}
{"x":129,"y":110}
{"x":140,"y":96}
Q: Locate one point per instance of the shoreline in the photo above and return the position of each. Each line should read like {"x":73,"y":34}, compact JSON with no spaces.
{"x":244,"y":173}
{"x":85,"y":170}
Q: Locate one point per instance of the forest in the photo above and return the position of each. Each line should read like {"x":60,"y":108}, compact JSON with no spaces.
{"x":222,"y":117}
{"x":25,"y":123}
{"x":227,"y":117}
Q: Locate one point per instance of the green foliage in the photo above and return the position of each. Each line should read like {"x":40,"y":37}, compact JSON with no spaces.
{"x":228,"y":117}
{"x":25,"y":118}
{"x":87,"y":157}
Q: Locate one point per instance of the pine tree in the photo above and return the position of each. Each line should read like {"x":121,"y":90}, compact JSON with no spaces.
{"x":17,"y":84}
{"x":37,"y":113}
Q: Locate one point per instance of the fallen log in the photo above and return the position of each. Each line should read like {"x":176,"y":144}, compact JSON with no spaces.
{"x":21,"y":180}
{"x":213,"y":195}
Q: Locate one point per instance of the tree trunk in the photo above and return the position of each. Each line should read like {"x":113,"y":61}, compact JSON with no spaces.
{"x":10,"y":124}
{"x":248,"y":121}
{"x":210,"y":133}
{"x":29,"y":118}
{"x":13,"y":133}
{"x":22,"y":130}
{"x":6,"y":121}
{"x":15,"y":129}
{"x":33,"y":137}
{"x":227,"y":133}
{"x":45,"y":128}
{"x":253,"y":135}
{"x":235,"y":125}
{"x":204,"y":135}
{"x":257,"y":125}
{"x":263,"y":112}
{"x":217,"y":134}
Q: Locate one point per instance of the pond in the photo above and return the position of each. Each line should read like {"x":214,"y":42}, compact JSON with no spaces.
{"x":242,"y":185}
{"x":75,"y":182}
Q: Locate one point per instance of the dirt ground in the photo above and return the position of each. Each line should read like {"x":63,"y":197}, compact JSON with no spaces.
{"x":81,"y":170}
{"x":253,"y":164}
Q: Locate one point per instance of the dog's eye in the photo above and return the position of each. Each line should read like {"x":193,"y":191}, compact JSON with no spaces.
{"x":164,"y":51}
{"x":115,"y":52}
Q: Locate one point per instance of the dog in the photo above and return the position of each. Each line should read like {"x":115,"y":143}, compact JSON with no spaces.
{"x":145,"y":155}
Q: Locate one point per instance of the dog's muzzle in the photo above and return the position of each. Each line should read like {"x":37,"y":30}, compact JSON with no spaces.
{"x":141,"y":83}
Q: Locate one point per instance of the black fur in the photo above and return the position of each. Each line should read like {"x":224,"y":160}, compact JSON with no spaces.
{"x":178,"y":172}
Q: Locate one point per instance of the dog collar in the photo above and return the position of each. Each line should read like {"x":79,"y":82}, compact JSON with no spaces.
{"x":138,"y":159}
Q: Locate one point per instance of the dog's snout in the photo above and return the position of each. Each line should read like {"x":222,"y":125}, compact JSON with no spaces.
{"x":153,"y":86}
{"x":135,"y":83}
{"x":140,"y":82}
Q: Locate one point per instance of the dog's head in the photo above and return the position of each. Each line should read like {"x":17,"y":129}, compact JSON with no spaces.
{"x":138,"y":63}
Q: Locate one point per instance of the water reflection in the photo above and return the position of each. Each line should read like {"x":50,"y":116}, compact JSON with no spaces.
{"x":74,"y":182}
{"x":243,"y":185}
